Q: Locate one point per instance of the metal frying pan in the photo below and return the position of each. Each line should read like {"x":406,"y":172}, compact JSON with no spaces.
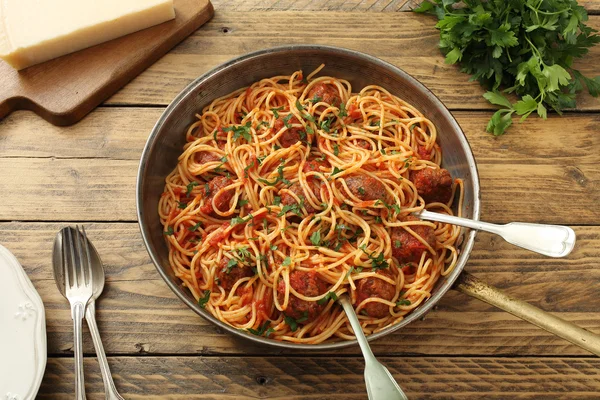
{"x":166,"y":141}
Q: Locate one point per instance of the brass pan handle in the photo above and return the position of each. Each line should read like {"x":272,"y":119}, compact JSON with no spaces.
{"x":583,"y":338}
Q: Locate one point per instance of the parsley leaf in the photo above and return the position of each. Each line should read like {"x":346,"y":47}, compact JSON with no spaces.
{"x":286,"y":120}
{"x":287,"y":262}
{"x":377,"y":262}
{"x":182,"y":204}
{"x":195,"y":227}
{"x":190,"y":186}
{"x":336,"y":149}
{"x":204,"y":299}
{"x":343,"y":112}
{"x":263,"y":330}
{"x":230,"y":264}
{"x":403,"y":302}
{"x":242,"y":130}
{"x":315,"y":238}
{"x":336,"y":170}
{"x":275,"y":111}
{"x":329,"y":295}
{"x":169,"y":231}
{"x":326,"y":124}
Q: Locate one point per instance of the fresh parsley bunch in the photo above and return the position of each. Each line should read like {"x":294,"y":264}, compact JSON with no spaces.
{"x":526,"y":47}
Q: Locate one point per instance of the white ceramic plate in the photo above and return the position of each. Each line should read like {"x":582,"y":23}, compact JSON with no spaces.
{"x":22,"y":332}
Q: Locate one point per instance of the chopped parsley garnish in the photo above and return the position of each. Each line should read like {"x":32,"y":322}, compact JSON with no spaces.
{"x":377,"y":262}
{"x":329,"y":295}
{"x":315,"y":238}
{"x":287,"y":262}
{"x":190,"y":186}
{"x":260,"y":159}
{"x":361,"y":190}
{"x":336,"y":170}
{"x":309,"y":117}
{"x":230,"y":264}
{"x":354,"y":270}
{"x":309,"y":130}
{"x":169,"y":231}
{"x":290,"y":207}
{"x":276,"y":200}
{"x":275,"y":111}
{"x":261,"y":124}
{"x":397,"y":244}
{"x":273,"y":247}
{"x":206,"y":189}
{"x":263,"y":330}
{"x":293,"y":323}
{"x":299,"y":106}
{"x":403,"y":302}
{"x":336,"y":149}
{"x":242,"y":130}
{"x":243,"y":253}
{"x":279,"y":178}
{"x":195,"y":227}
{"x":247,"y":168}
{"x":182,"y":204}
{"x":343,"y":112}
{"x":326,"y":124}
{"x":239,"y":220}
{"x":242,"y":202}
{"x":315,"y":99}
{"x":286,"y":120}
{"x":204,"y":299}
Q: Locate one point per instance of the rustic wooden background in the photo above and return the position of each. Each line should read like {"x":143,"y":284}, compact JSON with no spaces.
{"x":539,"y":172}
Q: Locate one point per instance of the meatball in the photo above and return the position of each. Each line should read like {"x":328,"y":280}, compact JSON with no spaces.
{"x":314,"y":185}
{"x":221,"y":202}
{"x":407,"y":248}
{"x":433,"y":185}
{"x":326,"y":92}
{"x":366,"y":187}
{"x":315,"y":165}
{"x":229,"y":276}
{"x":308,"y":284}
{"x":378,"y":288}
{"x":292,"y":135}
{"x":205,"y":157}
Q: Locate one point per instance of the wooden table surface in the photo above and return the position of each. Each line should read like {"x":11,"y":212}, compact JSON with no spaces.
{"x":539,"y":172}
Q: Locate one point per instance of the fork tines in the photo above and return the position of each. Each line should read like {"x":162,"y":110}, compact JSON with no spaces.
{"x":77,"y":262}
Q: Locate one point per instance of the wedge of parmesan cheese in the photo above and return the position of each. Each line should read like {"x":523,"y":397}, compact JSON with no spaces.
{"x":34,"y":31}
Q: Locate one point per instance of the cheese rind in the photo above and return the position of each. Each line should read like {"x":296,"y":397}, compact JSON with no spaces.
{"x":34,"y":31}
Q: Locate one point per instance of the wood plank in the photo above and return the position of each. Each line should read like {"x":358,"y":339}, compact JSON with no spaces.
{"x":139,"y":314}
{"x":391,"y":37}
{"x":593,"y":6}
{"x":329,"y":378}
{"x":87,"y":172}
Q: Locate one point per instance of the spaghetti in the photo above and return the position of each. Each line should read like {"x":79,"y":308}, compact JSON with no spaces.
{"x":294,"y":191}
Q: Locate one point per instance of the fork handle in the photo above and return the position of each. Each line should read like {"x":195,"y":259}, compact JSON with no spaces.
{"x":110,"y":390}
{"x":77,"y":315}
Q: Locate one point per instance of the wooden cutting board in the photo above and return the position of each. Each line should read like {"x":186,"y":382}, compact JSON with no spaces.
{"x":64,"y":90}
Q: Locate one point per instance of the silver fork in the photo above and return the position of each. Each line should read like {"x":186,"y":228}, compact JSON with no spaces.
{"x":78,"y":284}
